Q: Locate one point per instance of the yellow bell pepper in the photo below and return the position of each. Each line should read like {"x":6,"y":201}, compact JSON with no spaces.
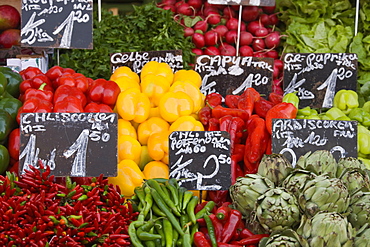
{"x":186,"y":123}
{"x":154,"y":112}
{"x":151,"y":126}
{"x":125,"y":83}
{"x":191,"y":90}
{"x":156,"y":68}
{"x":124,"y":71}
{"x":133,"y":105}
{"x":156,"y":169}
{"x":158,"y":146}
{"x":125,"y":127}
{"x":174,"y":105}
{"x":128,"y":148}
{"x":129,"y":176}
{"x":154,"y":86}
{"x":188,"y":76}
{"x":144,"y":157}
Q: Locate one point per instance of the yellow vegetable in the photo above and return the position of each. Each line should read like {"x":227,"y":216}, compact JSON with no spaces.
{"x":191,"y":76}
{"x":154,"y":112}
{"x":133,"y":105}
{"x":128,"y":148}
{"x":151,"y":126}
{"x":124,"y":71}
{"x":156,"y":68}
{"x":125,"y":83}
{"x":191,"y":90}
{"x":128,"y":177}
{"x":174,"y":105}
{"x":144,"y":157}
{"x":197,"y":193}
{"x":186,"y":123}
{"x":156,"y":169}
{"x":154,"y":86}
{"x":158,"y":146}
{"x":125,"y":127}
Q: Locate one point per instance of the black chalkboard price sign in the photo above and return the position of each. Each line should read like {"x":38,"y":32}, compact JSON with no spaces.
{"x":71,"y":144}
{"x":232,"y":75}
{"x":295,"y":137}
{"x":58,"y":24}
{"x":200,"y":160}
{"x":316,"y":77}
{"x":136,"y":60}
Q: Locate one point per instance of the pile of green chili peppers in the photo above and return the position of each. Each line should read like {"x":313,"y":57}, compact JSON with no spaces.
{"x":167,"y":216}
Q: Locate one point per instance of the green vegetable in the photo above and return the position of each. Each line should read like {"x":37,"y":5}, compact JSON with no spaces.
{"x":6,"y":125}
{"x":4,"y":159}
{"x":14,"y":80}
{"x":11,"y":105}
{"x":146,"y":28}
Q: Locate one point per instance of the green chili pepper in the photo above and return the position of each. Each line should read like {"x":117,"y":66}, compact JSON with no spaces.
{"x":206,"y":209}
{"x":132,"y":233}
{"x":186,"y":239}
{"x":146,"y":236}
{"x":167,"y":228}
{"x":184,"y":220}
{"x":165,"y":190}
{"x":181,"y":191}
{"x":157,"y":211}
{"x":148,"y":200}
{"x":190,"y":209}
{"x":159,"y":229}
{"x":82,"y":198}
{"x":174,"y":192}
{"x":149,"y":243}
{"x":175,"y":236}
{"x":211,"y":230}
{"x":187,"y":197}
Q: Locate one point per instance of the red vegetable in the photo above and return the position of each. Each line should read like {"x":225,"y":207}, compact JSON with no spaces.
{"x":231,"y":101}
{"x":103,"y":91}
{"x":220,"y":111}
{"x":231,"y":225}
{"x":281,"y":110}
{"x":213,"y":100}
{"x":251,"y":240}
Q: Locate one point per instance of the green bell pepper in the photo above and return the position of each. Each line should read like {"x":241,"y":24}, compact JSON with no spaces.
{"x":3,"y":84}
{"x":11,"y":105}
{"x":14,"y":80}
{"x":4,"y":159}
{"x":6,"y":125}
{"x":360,"y":115}
{"x":346,"y":100}
{"x":291,"y":98}
{"x":335,"y":113}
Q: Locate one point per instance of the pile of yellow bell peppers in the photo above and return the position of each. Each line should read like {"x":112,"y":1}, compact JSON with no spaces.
{"x":151,"y":106}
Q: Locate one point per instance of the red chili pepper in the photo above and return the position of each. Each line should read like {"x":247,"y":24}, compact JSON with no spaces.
{"x":247,"y":100}
{"x":262,"y":106}
{"x":103,"y":91}
{"x":218,"y":196}
{"x":64,"y":91}
{"x":281,"y":110}
{"x":34,"y":105}
{"x":213,"y":124}
{"x":38,"y":93}
{"x":219,"y":244}
{"x":236,"y":170}
{"x":204,"y":115}
{"x":231,"y":225}
{"x":231,"y":100}
{"x":199,"y":206}
{"x":234,"y":126}
{"x":245,"y":233}
{"x":95,"y":107}
{"x":222,"y":213}
{"x":255,"y":239}
{"x":200,"y":240}
{"x":238,"y":152}
{"x":220,"y":111}
{"x":269,"y":146}
{"x":213,"y":100}
{"x":275,"y":98}
{"x":217,"y":225}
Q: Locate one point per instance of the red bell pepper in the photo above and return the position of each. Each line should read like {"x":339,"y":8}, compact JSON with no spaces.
{"x":262,"y":106}
{"x":281,"y":110}
{"x":200,"y":240}
{"x":94,"y":107}
{"x":213,"y":100}
{"x":38,"y":93}
{"x":275,"y":98}
{"x":54,"y":72}
{"x":219,"y":111}
{"x":231,"y":100}
{"x":247,"y":100}
{"x":64,"y":91}
{"x":231,"y":225}
{"x":204,"y":115}
{"x":14,"y":144}
{"x":34,"y":105}
{"x":69,"y":104}
{"x":36,"y":84}
{"x":103,"y":91}
{"x":234,"y":126}
{"x":213,"y":124}
{"x":74,"y":80}
{"x":30,"y":72}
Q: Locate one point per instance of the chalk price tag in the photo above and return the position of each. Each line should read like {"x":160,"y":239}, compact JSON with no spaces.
{"x":295,"y":137}
{"x":232,"y":75}
{"x":71,"y":144}
{"x":58,"y":24}
{"x":200,"y":160}
{"x":316,"y":77}
{"x":136,"y":60}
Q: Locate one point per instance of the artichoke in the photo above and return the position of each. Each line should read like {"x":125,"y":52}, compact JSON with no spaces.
{"x":245,"y":191}
{"x":274,"y":167}
{"x":319,"y":162}
{"x":296,"y":180}
{"x":288,"y":238}
{"x":277,"y":210}
{"x":348,"y":162}
{"x":329,"y":229}
{"x":362,"y":238}
{"x":324,"y":194}
{"x":356,"y":180}
{"x":359,"y":209}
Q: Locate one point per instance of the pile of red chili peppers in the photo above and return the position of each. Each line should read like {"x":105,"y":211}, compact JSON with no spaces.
{"x":248,"y":120}
{"x":224,"y":227}
{"x":37,"y":211}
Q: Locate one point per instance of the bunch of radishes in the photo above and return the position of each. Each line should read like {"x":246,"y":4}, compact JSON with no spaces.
{"x":214,"y":30}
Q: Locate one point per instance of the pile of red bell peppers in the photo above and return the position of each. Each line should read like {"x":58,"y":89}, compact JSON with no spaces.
{"x":248,"y":120}
{"x":224,"y":227}
{"x":60,"y":90}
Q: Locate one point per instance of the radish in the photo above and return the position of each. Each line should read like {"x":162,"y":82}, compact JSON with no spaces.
{"x":196,"y":4}
{"x":261,"y":32}
{"x":246,"y":38}
{"x":227,"y":50}
{"x":170,"y":7}
{"x":269,"y":9}
{"x":276,"y":72}
{"x":253,"y":26}
{"x":185,"y":9}
{"x":229,"y":12}
{"x":250,"y":13}
{"x":279,"y":64}
{"x":265,"y":19}
{"x":213,"y":18}
{"x":258,"y":44}
{"x":274,"y":20}
{"x":188,"y":31}
{"x":272,"y":40}
{"x":201,"y":25}
{"x":197,"y":51}
{"x":211,"y":38}
{"x":232,"y":24}
{"x":211,"y":50}
{"x":198,"y":40}
{"x":231,"y":37}
{"x":166,"y":3}
{"x":278,"y":82}
{"x":221,"y":30}
{"x":272,"y":54}
{"x":246,"y":51}
{"x":208,"y":9}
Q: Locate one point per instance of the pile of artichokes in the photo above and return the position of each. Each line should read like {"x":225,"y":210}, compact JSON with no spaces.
{"x":319,"y":202}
